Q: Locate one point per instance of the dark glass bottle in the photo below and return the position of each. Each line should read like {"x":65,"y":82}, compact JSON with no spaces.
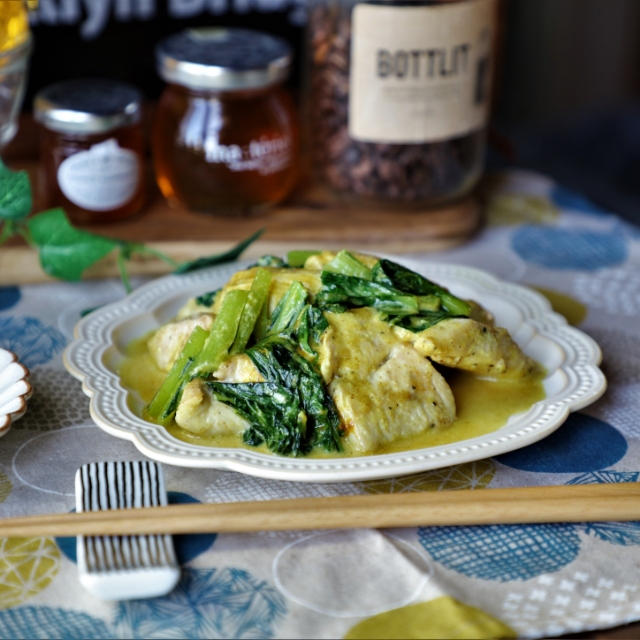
{"x":398,"y":96}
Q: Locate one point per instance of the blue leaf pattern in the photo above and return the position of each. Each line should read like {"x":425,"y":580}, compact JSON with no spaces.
{"x":50,"y":622}
{"x":621,"y":533}
{"x":207,"y":603}
{"x":603,"y":477}
{"x":502,"y":552}
{"x":556,"y":248}
{"x":34,"y":342}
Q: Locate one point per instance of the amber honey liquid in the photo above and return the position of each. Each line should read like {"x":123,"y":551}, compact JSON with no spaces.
{"x":14,"y":24}
{"x":228,"y":152}
{"x":57,"y":147}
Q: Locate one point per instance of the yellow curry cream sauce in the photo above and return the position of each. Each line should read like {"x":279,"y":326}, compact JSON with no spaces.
{"x":483,"y":405}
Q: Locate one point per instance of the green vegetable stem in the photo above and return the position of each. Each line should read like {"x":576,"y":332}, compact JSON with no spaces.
{"x":223,"y":333}
{"x":297,"y":257}
{"x":347,"y":264}
{"x":165,"y":402}
{"x":288,"y":309}
{"x":256,"y":300}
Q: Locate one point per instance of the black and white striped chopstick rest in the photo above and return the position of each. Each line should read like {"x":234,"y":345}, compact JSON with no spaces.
{"x":124,"y":567}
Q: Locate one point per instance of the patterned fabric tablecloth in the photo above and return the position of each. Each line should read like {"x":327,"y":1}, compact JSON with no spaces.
{"x":453,"y":582}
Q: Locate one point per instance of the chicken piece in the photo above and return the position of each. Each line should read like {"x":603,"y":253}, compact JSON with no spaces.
{"x":463,"y":343}
{"x":238,"y":368}
{"x":202,"y":414}
{"x":383,"y":388}
{"x":167,"y":342}
{"x":192,"y":308}
{"x":479,"y":313}
{"x":318,"y":260}
{"x":280,"y":283}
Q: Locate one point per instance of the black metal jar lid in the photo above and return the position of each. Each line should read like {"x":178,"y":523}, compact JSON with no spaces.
{"x":90,"y":106}
{"x":223,"y":59}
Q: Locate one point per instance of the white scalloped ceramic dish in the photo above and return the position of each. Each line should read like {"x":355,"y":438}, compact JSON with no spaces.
{"x":570,"y":357}
{"x":15,"y":389}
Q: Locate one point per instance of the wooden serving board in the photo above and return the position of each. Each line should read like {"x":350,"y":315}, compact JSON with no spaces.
{"x":311,"y":219}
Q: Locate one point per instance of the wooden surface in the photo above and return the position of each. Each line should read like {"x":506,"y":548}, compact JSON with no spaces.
{"x":311,"y":218}
{"x":561,"y":503}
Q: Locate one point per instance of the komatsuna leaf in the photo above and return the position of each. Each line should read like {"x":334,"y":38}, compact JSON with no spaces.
{"x":65,"y":252}
{"x":15,"y":194}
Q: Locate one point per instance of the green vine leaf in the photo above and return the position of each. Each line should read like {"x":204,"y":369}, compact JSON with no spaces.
{"x":65,"y":252}
{"x":15,"y":194}
{"x":219,"y":258}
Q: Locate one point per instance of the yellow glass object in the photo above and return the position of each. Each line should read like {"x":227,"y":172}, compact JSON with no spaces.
{"x":15,"y":46}
{"x":14,"y":24}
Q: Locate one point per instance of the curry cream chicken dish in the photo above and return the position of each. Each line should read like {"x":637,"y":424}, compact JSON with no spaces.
{"x":326,"y":354}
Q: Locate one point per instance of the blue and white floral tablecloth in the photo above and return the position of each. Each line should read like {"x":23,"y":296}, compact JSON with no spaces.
{"x":440,"y":582}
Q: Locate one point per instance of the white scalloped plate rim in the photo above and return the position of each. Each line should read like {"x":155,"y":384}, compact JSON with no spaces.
{"x":574,"y":379}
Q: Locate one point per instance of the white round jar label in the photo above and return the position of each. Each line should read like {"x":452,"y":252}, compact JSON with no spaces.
{"x":102,"y":178}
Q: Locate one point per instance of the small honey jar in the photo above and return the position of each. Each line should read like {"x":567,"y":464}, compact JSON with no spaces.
{"x":225,"y":136}
{"x":92,"y":148}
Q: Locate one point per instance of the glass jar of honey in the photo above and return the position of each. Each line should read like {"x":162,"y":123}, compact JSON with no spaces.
{"x":225,"y":135}
{"x":92,"y":148}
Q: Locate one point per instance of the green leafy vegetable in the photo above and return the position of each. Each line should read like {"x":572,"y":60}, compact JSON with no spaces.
{"x":271,"y":261}
{"x":353,"y":292}
{"x":273,"y":412}
{"x":222,"y":334}
{"x":288,"y":309}
{"x":311,"y":325}
{"x":207,"y":299}
{"x":278,"y":362}
{"x":291,"y":411}
{"x":406,"y":280}
{"x":262,"y":324}
{"x":297,"y":258}
{"x":404,"y":297}
{"x":420,"y":322}
{"x":165,"y":401}
{"x":347,"y":264}
{"x":256,"y":300}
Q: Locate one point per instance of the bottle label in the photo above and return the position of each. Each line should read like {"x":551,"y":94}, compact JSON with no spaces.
{"x":102,"y":178}
{"x":420,"y":74}
{"x":264,"y":156}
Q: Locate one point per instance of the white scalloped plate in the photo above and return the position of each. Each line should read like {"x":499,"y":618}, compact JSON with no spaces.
{"x":15,"y":389}
{"x":570,"y":357}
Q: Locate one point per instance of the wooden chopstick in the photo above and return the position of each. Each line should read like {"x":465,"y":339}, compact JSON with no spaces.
{"x":565,"y":503}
